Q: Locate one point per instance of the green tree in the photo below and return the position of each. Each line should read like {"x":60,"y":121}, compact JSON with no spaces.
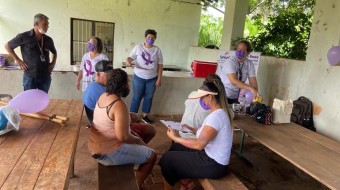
{"x":210,"y":32}
{"x":276,"y":27}
{"x":286,"y":29}
{"x":285,"y":35}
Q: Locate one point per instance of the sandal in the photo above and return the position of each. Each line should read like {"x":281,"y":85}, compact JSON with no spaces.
{"x":187,"y":184}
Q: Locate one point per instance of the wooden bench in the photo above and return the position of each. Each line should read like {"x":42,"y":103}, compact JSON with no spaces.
{"x":116,"y":177}
{"x":313,"y":153}
{"x":228,"y":182}
{"x":41,"y":154}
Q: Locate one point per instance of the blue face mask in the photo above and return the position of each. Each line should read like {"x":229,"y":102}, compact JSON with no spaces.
{"x":150,"y":41}
{"x":90,"y":46}
{"x":240,"y":54}
{"x":203,"y":105}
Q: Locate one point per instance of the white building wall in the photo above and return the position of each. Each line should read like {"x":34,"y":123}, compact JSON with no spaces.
{"x":177,"y":24}
{"x":314,"y":78}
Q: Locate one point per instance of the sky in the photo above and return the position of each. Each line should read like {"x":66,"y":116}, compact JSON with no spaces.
{"x":215,"y":13}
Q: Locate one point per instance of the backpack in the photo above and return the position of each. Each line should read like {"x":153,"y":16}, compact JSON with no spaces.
{"x":260,"y":112}
{"x":302,"y":113}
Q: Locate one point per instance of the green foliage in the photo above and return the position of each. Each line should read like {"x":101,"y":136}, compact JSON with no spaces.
{"x":278,"y":6}
{"x":252,"y":26}
{"x":210,"y":32}
{"x":212,"y":3}
{"x":285,"y":35}
{"x":286,"y":29}
{"x":275,"y":27}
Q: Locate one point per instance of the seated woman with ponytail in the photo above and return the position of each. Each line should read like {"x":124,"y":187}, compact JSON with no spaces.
{"x":208,"y":155}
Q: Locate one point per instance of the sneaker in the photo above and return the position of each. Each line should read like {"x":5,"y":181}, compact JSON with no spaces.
{"x":146,"y":120}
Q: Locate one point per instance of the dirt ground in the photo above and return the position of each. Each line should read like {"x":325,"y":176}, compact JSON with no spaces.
{"x":267,"y":171}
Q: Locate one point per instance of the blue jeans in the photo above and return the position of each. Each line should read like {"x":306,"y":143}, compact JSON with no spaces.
{"x":37,"y":83}
{"x":125,"y":154}
{"x":142,"y":88}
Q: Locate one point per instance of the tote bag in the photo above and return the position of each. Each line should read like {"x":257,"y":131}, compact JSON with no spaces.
{"x":282,"y":110}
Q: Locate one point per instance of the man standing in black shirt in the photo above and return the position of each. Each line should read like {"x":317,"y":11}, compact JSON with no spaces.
{"x":35,"y":48}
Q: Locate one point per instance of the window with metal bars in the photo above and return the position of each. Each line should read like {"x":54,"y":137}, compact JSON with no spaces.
{"x":82,"y":30}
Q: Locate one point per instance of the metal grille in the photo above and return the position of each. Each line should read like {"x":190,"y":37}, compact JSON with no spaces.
{"x":82,"y":30}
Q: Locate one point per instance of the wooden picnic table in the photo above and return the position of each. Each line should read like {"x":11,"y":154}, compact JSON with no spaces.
{"x":317,"y":155}
{"x":41,"y":154}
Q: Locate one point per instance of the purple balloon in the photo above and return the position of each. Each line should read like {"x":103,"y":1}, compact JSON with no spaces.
{"x":248,"y":96}
{"x":333,"y":55}
{"x":30,"y":101}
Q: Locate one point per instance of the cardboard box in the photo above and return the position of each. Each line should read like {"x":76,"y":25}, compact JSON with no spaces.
{"x":203,"y":68}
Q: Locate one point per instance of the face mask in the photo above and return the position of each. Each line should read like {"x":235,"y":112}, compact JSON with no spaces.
{"x":203,"y":105}
{"x":90,"y":47}
{"x":42,"y":31}
{"x":125,"y":92}
{"x":150,"y":41}
{"x":240,"y":54}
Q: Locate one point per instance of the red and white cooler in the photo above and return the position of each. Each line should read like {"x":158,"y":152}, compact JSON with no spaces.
{"x":203,"y":68}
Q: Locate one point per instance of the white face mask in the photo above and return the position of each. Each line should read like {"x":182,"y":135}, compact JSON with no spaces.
{"x":42,"y":31}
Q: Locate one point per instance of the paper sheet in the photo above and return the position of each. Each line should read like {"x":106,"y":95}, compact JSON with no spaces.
{"x":175,"y":125}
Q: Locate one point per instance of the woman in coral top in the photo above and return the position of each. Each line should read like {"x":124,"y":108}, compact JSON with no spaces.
{"x":111,"y":141}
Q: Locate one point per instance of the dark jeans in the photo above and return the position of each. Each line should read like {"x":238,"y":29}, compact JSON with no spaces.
{"x":37,"y":83}
{"x":89,"y":114}
{"x":181,"y":162}
{"x":142,"y":88}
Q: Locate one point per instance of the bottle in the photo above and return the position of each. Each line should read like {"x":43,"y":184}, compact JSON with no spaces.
{"x":243,"y":104}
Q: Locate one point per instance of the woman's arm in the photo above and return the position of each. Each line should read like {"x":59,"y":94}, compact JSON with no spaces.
{"x":122,"y":120}
{"x":129,"y":61}
{"x":207,"y":134}
{"x":160,"y":73}
{"x":132,"y":56}
{"x":79,"y":77}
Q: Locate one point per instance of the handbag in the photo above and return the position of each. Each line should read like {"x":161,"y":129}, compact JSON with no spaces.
{"x":261,"y":113}
{"x":282,"y":110}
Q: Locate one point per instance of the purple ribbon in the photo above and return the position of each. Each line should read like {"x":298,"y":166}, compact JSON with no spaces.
{"x":147,"y":58}
{"x":88,"y":71}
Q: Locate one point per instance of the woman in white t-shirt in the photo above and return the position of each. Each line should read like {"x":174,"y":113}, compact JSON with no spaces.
{"x":87,"y":71}
{"x":235,"y":72}
{"x":208,"y":155}
{"x":148,"y":60}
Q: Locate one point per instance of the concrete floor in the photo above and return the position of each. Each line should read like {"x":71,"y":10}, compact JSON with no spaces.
{"x":268,"y":170}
